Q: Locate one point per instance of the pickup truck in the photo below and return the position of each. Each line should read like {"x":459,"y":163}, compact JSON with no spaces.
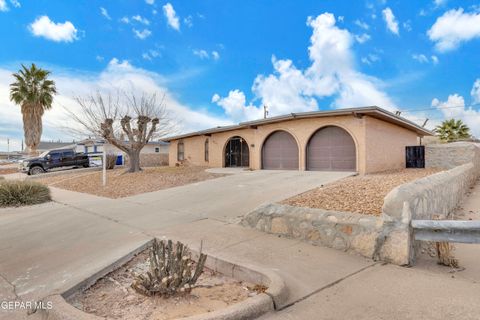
{"x":53,"y":159}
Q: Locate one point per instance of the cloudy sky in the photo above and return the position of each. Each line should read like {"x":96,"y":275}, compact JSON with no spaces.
{"x":218,"y":62}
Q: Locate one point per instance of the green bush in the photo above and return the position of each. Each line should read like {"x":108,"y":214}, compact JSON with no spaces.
{"x":22,"y":193}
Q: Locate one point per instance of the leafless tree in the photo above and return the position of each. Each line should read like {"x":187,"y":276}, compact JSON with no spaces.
{"x":128,"y":121}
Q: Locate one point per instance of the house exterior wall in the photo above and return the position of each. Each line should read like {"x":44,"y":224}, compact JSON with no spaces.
{"x":383,"y":135}
{"x":386,"y":144}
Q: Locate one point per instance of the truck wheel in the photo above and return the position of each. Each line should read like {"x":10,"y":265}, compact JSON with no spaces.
{"x":36,"y":170}
{"x":87,"y":165}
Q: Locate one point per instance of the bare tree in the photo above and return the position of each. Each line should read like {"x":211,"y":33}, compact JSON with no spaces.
{"x":128,"y":121}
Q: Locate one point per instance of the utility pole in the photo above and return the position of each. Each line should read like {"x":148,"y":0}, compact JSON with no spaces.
{"x":22,"y":145}
{"x":265,"y":112}
{"x":8,"y":149}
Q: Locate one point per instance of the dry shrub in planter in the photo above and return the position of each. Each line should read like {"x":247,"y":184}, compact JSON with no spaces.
{"x":172,"y":270}
{"x":111,"y":161}
{"x":21,"y":193}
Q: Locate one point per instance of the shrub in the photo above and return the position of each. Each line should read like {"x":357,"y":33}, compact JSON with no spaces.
{"x":171,"y":270}
{"x":22,"y":193}
{"x":111,"y":161}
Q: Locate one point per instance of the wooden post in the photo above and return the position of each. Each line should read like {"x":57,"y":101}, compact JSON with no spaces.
{"x":104,"y":164}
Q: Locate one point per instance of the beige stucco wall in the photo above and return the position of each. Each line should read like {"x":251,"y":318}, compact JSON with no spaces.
{"x":389,"y":136}
{"x":386,"y":144}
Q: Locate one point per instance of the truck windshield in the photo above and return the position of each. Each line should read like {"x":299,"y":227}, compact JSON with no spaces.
{"x":44,"y":154}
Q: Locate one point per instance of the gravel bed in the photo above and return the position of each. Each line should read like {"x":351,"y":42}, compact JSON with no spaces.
{"x":360,"y":194}
{"x":121,"y":184}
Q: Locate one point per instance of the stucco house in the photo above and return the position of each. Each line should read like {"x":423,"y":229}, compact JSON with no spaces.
{"x":365,"y":140}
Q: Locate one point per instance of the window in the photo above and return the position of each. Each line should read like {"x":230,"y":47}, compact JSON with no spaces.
{"x":157,"y":149}
{"x":206,"y":150}
{"x":55,"y":155}
{"x":68,"y":154}
{"x":180,"y":151}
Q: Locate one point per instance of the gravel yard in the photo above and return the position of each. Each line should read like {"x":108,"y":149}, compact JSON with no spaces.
{"x":8,"y":170}
{"x":360,"y":194}
{"x":121,"y":184}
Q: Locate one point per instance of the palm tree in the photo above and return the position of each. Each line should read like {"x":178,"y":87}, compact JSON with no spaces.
{"x":453,"y":130}
{"x":33,"y":92}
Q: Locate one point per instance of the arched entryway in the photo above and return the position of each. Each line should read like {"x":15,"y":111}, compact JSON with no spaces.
{"x":331,"y":149}
{"x":237,"y":153}
{"x":280,"y":152}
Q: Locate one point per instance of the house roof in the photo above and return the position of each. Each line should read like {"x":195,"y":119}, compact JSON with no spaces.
{"x":101,"y":141}
{"x":372,"y":111}
{"x":46,"y":145}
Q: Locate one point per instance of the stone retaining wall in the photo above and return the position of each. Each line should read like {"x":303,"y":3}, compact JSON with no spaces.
{"x":434,"y":196}
{"x":451,"y":155}
{"x":338,"y":230}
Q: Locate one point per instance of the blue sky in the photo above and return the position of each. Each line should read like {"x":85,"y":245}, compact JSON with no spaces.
{"x":220,"y":61}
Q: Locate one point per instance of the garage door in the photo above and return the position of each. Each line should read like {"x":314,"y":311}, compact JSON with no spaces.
{"x":331,"y":149}
{"x":280,"y":152}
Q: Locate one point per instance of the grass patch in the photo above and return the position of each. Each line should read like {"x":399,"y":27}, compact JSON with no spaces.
{"x":22,"y":193}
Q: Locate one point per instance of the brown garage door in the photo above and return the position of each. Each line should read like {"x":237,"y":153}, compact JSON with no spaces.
{"x":280,"y":152}
{"x":331,"y":149}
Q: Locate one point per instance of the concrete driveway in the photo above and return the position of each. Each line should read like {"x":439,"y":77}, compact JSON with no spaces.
{"x":47,"y":248}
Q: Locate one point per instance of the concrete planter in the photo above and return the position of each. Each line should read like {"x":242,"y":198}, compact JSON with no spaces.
{"x":248,"y":309}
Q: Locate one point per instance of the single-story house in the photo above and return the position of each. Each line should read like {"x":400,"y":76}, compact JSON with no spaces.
{"x":365,"y":140}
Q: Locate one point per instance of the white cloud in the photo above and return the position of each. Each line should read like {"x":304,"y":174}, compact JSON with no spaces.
{"x":58,"y":32}
{"x":3,"y":5}
{"x":453,"y":28}
{"x":362,"y":24}
{"x":99,"y":58}
{"x":362,"y":38}
{"x":141,"y":19}
{"x":331,"y":73}
{"x":116,"y":75}
{"x":475,"y":92}
{"x":188,"y":21}
{"x":150,"y":2}
{"x":171,"y":16}
{"x":390,"y":20}
{"x":434,"y":59}
{"x":202,"y":54}
{"x":104,"y":13}
{"x":407,"y":25}
{"x":142,"y":35}
{"x":370,"y":58}
{"x":235,"y":106}
{"x":150,"y":54}
{"x":455,"y":108}
{"x":15,"y":3}
{"x":420,"y":58}
{"x":439,"y":3}
{"x":125,"y":20}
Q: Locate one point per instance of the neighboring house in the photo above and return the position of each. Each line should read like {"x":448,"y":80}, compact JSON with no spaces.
{"x":50,"y":145}
{"x":154,"y":153}
{"x":364,"y":140}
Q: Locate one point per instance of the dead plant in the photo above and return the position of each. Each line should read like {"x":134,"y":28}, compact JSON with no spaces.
{"x":172,"y":270}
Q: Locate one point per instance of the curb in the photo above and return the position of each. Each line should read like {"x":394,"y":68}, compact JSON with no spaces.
{"x":61,"y":172}
{"x":251,"y":308}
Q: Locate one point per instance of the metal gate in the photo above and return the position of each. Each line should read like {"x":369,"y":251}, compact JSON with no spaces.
{"x":280,"y":152}
{"x":331,"y":149}
{"x":415,"y":156}
{"x":237,"y":153}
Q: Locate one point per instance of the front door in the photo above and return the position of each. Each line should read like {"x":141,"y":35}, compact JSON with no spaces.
{"x":237,"y":153}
